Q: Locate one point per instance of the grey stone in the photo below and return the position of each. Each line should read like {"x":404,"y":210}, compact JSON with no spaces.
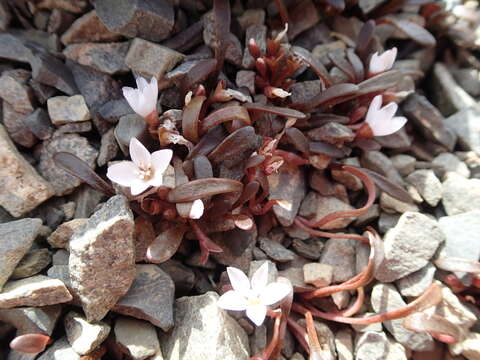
{"x":5,"y":15}
{"x":380,"y":163}
{"x":83,"y":336}
{"x":60,"y":257}
{"x":361,"y":328}
{"x":28,"y":320}
{"x":237,"y":248}
{"x":60,"y":350}
{"x":32,"y":263}
{"x":74,"y":128}
{"x":466,"y":125}
{"x":275,"y":250}
{"x":316,"y":206}
{"x":386,"y":298}
{"x":137,"y":338}
{"x":325,"y":338}
{"x":42,"y":92}
{"x":369,"y":5}
{"x":259,"y":34}
{"x":251,"y":17}
{"x":416,"y":283}
{"x":447,"y":95}
{"x":346,"y":178}
{"x":182,"y":276}
{"x":390,"y":204}
{"x":13,"y":49}
{"x":112,"y":110}
{"x":319,"y":275}
{"x":305,"y":90}
{"x":340,"y":254}
{"x":65,"y":109}
{"x":371,"y":345}
{"x":151,"y":60}
{"x":63,"y":182}
{"x":177,"y":74}
{"x":469,"y":80}
{"x":204,"y":331}
{"x":427,"y":184}
{"x":103,"y":245}
{"x":37,"y":290}
{"x":15,"y":91}
{"x":321,"y":51}
{"x":17,"y":238}
{"x":344,"y":344}
{"x":246,"y":78}
{"x":88,"y":28}
{"x":428,"y":119}
{"x":130,"y":126}
{"x":332,"y":133}
{"x":151,"y":20}
{"x":405,"y":164}
{"x":108,"y":148}
{"x":309,"y":249}
{"x":39,"y":124}
{"x":445,"y":162}
{"x":150,"y":297}
{"x":62,"y":234}
{"x":107,"y":58}
{"x":372,"y":214}
{"x":15,"y":124}
{"x":409,"y":246}
{"x":458,"y":230}
{"x":456,"y":199}
{"x":288,"y":184}
{"x":86,"y":200}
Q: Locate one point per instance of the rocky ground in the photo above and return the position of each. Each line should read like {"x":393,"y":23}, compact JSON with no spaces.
{"x":73,"y":263}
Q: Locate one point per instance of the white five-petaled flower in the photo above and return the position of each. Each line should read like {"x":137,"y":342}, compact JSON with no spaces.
{"x":254,"y":296}
{"x":381,"y":119}
{"x":384,"y":62}
{"x":143,"y":171}
{"x":143,"y":100}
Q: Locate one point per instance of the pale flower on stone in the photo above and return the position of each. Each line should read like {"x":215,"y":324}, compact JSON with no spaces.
{"x":381,"y":120}
{"x":196,"y":210}
{"x":252,"y":296}
{"x":143,"y":171}
{"x":382,"y":63}
{"x":142,"y":100}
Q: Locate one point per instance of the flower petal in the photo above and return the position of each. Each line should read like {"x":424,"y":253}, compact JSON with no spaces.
{"x":257,"y":313}
{"x":138,"y":187}
{"x":239,"y":281}
{"x":132,"y":96}
{"x":196,"y":210}
{"x":142,"y":83}
{"x":389,"y":110}
{"x":389,"y":126}
{"x":232,"y":300}
{"x":123,"y":173}
{"x":373,"y":108}
{"x":160,"y":160}
{"x":139,"y":153}
{"x":274,"y":292}
{"x":260,"y":278}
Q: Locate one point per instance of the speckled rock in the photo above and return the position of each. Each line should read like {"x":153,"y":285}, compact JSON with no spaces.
{"x":316,"y":206}
{"x":67,"y":109}
{"x":136,"y":338}
{"x":340,"y":254}
{"x":62,"y":234}
{"x":416,"y":283}
{"x":83,"y":336}
{"x":427,"y":184}
{"x":32,"y":263}
{"x":456,"y":199}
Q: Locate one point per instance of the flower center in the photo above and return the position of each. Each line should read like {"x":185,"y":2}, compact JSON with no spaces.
{"x":254,"y":300}
{"x":145,"y":171}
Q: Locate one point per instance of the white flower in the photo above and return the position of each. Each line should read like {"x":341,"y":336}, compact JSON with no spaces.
{"x":143,"y":171}
{"x":280,"y":93}
{"x":384,"y":62}
{"x":254,"y":296}
{"x":144,"y":99}
{"x":381,"y":120}
{"x":196,"y":210}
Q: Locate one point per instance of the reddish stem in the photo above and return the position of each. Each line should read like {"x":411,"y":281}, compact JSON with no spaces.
{"x":206,"y":244}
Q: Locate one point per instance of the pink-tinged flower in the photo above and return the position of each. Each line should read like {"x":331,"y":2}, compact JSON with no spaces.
{"x":196,"y":211}
{"x":384,"y":62}
{"x":254,"y":296}
{"x":143,"y":171}
{"x":143,"y":100}
{"x":382,"y":120}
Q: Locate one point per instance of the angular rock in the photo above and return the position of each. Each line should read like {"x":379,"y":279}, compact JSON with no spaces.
{"x":15,"y":91}
{"x":387,"y":221}
{"x":428,"y":119}
{"x":15,"y":124}
{"x":416,"y":283}
{"x":405,"y":164}
{"x":42,"y":92}
{"x":466,"y":125}
{"x":361,"y":328}
{"x":385,"y":298}
{"x":21,"y":188}
{"x":112,"y":110}
{"x":469,"y":80}
{"x":316,"y":206}
{"x":380,"y":163}
{"x":103,"y":246}
{"x":151,"y":60}
{"x":65,"y":110}
{"x":5,"y":16}
{"x":88,"y":28}
{"x":288,"y":183}
{"x":108,"y":148}
{"x":446,"y":94}
{"x":137,"y":338}
{"x":469,"y":346}
{"x":237,"y":248}
{"x":37,"y":290}
{"x":182,"y":276}
{"x":32,"y":263}
{"x":144,"y":19}
{"x":216,"y":337}
{"x":251,"y":17}
{"x":16,"y":238}
{"x":303,"y":91}
{"x":150,"y":297}
{"x":86,"y":200}
{"x":60,"y":349}
{"x":63,"y":182}
{"x":340,"y":254}
{"x":344,"y":344}
{"x":446,"y":162}
{"x":319,"y":275}
{"x":371,"y":345}
{"x":83,"y":336}
{"x":12,"y":48}
{"x":107,"y":58}
{"x":62,"y":234}
{"x":74,"y":128}
{"x":391,"y":205}
{"x":427,"y":184}
{"x":28,"y":320}
{"x":275,"y":250}
{"x":332,"y":133}
{"x":246,"y":78}
{"x":409,"y":246}
{"x":309,"y":249}
{"x":130,"y":126}
{"x":456,"y":199}
{"x":39,"y":124}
